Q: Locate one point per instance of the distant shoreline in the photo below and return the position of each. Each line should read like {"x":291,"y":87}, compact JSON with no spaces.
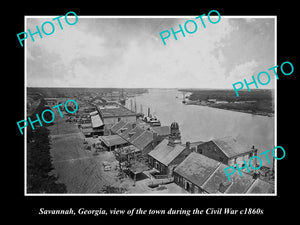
{"x":257,"y":102}
{"x":221,"y":106}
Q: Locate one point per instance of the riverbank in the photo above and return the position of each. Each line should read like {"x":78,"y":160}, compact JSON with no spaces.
{"x":256,"y":102}
{"x":237,"y":107}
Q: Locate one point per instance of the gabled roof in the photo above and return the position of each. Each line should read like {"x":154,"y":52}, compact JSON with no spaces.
{"x":231,"y":147}
{"x":143,"y":140}
{"x":165,"y":153}
{"x":134,"y":133}
{"x":218,"y":182}
{"x":112,"y":140}
{"x":209,"y":174}
{"x":123,"y":131}
{"x":117,"y":126}
{"x":197,"y":168}
{"x":260,"y":186}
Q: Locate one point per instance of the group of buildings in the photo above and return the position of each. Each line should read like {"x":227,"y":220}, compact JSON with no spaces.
{"x":197,"y":167}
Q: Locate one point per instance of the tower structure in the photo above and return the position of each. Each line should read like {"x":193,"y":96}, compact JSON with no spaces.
{"x":175,"y":136}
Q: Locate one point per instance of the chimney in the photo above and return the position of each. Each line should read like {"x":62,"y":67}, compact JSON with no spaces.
{"x":130,"y":134}
{"x":256,"y":174}
{"x":188,"y":145}
{"x":123,"y":129}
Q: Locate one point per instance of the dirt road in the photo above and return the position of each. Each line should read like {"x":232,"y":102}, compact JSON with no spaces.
{"x":77,"y":168}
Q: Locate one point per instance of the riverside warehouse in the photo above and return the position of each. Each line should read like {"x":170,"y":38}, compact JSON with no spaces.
{"x":43,"y":115}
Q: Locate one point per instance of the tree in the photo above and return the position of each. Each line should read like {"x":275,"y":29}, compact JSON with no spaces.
{"x":39,"y":163}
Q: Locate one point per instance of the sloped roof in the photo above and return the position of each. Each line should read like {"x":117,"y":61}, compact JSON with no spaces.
{"x":137,"y":131}
{"x":231,"y":147}
{"x":127,"y":128}
{"x":143,"y":140}
{"x":165,"y":153}
{"x":162,"y":131}
{"x":197,"y":168}
{"x":209,"y":174}
{"x":260,"y":186}
{"x":117,"y":126}
{"x":238,"y":184}
{"x":112,"y":140}
{"x":96,"y":121}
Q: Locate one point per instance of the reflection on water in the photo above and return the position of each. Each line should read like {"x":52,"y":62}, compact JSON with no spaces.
{"x":201,"y":123}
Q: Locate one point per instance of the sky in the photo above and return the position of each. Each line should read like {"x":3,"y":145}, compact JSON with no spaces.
{"x":129,"y":53}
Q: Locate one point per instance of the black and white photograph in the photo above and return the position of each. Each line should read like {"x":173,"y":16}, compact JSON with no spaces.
{"x":146,"y":105}
{"x":184,"y":113}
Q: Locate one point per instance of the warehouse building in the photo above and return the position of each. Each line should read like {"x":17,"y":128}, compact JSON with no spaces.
{"x":227,"y":150}
{"x":112,"y":113}
{"x":200,"y":174}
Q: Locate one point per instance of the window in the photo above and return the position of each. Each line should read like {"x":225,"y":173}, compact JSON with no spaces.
{"x":119,"y":119}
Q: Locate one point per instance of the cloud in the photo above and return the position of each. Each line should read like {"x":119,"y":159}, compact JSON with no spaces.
{"x":128,"y":52}
{"x":243,"y":70}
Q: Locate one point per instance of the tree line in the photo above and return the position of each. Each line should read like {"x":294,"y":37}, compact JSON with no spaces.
{"x":39,"y":161}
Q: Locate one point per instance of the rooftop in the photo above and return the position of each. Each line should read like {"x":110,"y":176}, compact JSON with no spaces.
{"x":197,"y":168}
{"x":114,"y":110}
{"x":112,"y":140}
{"x":218,"y":182}
{"x":138,"y":134}
{"x":260,"y":186}
{"x":143,"y":140}
{"x":232,"y":147}
{"x":96,"y":121}
{"x":165,"y":153}
{"x":117,"y":126}
{"x":209,"y":174}
{"x":162,"y":130}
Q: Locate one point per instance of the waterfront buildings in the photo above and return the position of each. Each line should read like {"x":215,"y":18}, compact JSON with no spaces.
{"x":169,"y":153}
{"x":140,"y":134}
{"x":112,"y":113}
{"x":200,"y":174}
{"x":228,"y":150}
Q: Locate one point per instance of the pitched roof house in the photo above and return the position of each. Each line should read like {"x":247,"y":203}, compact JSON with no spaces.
{"x":227,"y":150}
{"x":141,"y":136}
{"x":169,"y":153}
{"x":200,"y":174}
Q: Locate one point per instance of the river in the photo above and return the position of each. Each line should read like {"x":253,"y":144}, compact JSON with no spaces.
{"x":202,"y":123}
